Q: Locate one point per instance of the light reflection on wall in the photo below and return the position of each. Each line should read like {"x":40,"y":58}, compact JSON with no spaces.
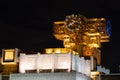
{"x":9,"y":56}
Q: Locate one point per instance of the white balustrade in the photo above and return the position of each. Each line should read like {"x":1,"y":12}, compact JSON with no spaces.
{"x":67,"y":61}
{"x":27,"y":62}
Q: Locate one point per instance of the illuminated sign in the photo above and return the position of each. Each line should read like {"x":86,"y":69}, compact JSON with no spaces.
{"x":8,"y":56}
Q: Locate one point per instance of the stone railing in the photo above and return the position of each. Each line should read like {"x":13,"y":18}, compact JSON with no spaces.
{"x":54,"y":62}
{"x":42,"y":62}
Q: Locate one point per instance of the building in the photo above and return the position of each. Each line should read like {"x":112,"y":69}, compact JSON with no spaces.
{"x":79,"y":59}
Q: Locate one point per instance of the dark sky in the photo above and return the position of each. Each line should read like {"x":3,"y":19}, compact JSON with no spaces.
{"x":27,"y":24}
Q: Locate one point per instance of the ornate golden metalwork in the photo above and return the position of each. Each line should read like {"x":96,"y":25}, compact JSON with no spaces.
{"x":78,"y":30}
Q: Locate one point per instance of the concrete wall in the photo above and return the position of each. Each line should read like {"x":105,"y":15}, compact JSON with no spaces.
{"x":49,"y":76}
{"x":0,"y":77}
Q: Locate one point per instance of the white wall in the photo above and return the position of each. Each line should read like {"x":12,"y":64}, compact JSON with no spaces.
{"x":54,"y":61}
{"x":27,"y":62}
{"x":44,"y":61}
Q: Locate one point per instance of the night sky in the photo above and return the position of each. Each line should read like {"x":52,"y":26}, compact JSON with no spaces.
{"x":28,"y":24}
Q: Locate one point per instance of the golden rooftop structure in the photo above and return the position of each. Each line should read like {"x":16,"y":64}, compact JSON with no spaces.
{"x":78,"y":31}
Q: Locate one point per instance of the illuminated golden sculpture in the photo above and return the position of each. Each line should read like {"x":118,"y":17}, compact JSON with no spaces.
{"x":78,"y":31}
